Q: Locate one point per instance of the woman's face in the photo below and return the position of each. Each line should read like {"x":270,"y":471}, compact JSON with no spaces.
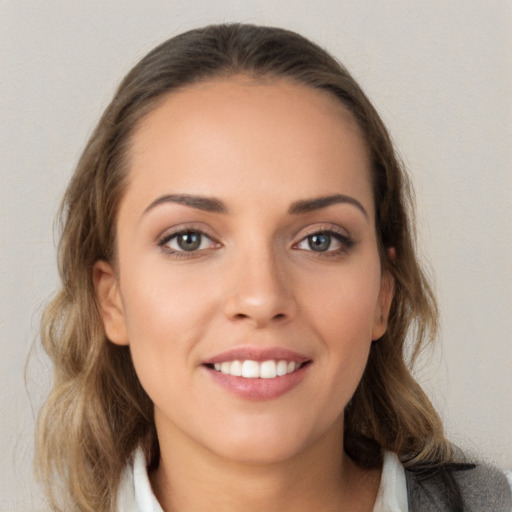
{"x":248,"y":283}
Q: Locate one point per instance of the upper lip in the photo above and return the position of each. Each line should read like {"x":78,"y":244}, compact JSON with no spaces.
{"x":258,"y":354}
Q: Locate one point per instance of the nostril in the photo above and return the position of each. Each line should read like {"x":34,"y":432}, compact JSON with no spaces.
{"x":243,"y":316}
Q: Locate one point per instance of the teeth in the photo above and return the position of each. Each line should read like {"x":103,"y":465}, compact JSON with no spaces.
{"x":236,"y":369}
{"x":254,"y":370}
{"x":268,"y":370}
{"x":282,"y":368}
{"x":250,"y":369}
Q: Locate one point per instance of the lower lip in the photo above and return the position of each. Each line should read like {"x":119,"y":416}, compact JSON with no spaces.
{"x":259,"y":389}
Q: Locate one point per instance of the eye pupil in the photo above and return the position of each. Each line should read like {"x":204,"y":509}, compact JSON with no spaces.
{"x":319,"y":242}
{"x":189,"y":241}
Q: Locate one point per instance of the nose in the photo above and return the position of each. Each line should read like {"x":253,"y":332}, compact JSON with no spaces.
{"x":259,"y":290}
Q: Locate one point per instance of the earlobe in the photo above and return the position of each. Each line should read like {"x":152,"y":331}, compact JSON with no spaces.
{"x":386,"y":292}
{"x":109,"y":302}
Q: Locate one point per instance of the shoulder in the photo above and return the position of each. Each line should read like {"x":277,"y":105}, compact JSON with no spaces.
{"x":485,"y":486}
{"x":482,"y":488}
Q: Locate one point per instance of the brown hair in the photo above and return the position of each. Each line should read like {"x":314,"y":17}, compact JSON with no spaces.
{"x":97,"y":412}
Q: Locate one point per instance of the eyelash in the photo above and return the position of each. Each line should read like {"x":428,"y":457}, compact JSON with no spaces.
{"x":346,"y":243}
{"x":167,"y":238}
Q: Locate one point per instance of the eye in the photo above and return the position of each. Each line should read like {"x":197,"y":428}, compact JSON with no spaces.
{"x":325,"y":242}
{"x":187,"y":241}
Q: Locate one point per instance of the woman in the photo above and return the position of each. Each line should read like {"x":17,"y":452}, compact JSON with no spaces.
{"x":239,"y":278}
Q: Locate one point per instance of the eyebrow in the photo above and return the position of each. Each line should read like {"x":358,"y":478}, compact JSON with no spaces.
{"x":317,"y":203}
{"x":211,"y":204}
{"x":207,"y":204}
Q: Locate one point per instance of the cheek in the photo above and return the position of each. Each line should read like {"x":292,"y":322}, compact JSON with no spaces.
{"x":166,"y":314}
{"x":345,"y":302}
{"x":342,"y":312}
{"x":160,"y":298}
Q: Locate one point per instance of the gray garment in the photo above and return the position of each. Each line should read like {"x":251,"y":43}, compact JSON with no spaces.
{"x":483,"y":488}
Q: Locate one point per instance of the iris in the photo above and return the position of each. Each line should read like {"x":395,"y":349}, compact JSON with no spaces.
{"x":189,"y":241}
{"x":319,"y":242}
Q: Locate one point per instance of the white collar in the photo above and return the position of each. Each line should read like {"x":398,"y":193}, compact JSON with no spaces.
{"x":392,"y":495}
{"x":135,"y":493}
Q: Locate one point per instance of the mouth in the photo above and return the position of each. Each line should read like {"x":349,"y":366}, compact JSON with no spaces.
{"x":258,"y":374}
{"x":250,"y":369}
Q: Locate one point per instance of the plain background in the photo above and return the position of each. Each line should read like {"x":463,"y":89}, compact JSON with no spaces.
{"x":439,"y":72}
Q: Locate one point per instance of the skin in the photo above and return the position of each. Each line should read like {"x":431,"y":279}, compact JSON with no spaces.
{"x":258,"y":147}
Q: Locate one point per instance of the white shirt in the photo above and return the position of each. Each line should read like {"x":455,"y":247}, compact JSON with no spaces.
{"x":135,"y":493}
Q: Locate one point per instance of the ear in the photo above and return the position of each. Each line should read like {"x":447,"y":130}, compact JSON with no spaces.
{"x":386,"y":292}
{"x":109,"y":302}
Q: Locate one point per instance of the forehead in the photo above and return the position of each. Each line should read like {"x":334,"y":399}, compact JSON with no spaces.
{"x":226,"y":134}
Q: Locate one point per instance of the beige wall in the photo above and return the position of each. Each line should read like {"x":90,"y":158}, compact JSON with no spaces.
{"x":440,"y":72}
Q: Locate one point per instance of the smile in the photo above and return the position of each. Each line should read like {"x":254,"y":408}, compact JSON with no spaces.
{"x":252,"y":373}
{"x":250,"y":369}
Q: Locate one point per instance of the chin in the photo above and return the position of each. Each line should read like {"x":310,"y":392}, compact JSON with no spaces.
{"x":267,"y":444}
{"x":257,"y":453}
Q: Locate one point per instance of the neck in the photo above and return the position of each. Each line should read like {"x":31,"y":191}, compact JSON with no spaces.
{"x":321,"y":477}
